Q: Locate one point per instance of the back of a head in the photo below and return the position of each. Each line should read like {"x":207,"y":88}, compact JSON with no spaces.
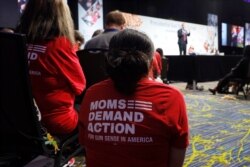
{"x":79,"y":38}
{"x":115,"y":18}
{"x":45,"y":20}
{"x":129,"y":59}
{"x":97,"y":32}
{"x":160,"y":51}
{"x":246,"y":51}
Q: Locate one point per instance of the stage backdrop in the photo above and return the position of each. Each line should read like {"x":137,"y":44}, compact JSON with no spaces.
{"x":164,"y":34}
{"x":90,"y":17}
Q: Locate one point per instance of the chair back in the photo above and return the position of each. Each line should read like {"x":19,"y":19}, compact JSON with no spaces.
{"x":19,"y":125}
{"x":93,"y":64}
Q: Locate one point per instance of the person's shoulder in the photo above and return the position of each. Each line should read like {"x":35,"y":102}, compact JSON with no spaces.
{"x":60,"y":41}
{"x":161,"y":94}
{"x":54,"y":43}
{"x":171,"y":89}
{"x":107,"y":35}
{"x":100,"y":86}
{"x":90,"y":44}
{"x":162,"y":88}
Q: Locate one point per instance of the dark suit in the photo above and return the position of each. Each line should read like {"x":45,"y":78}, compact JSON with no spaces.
{"x":182,"y":40}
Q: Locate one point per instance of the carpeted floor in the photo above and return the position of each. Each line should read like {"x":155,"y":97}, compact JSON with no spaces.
{"x":219,"y":128}
{"x":220,"y":131}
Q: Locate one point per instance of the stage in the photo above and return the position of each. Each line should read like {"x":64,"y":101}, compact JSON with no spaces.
{"x":197,"y":68}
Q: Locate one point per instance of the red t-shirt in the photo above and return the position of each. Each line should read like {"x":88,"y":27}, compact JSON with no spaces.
{"x":56,"y":77}
{"x":154,"y":69}
{"x":132,"y":131}
{"x":159,"y":60}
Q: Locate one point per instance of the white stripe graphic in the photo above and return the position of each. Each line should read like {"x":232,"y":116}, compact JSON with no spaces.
{"x":138,"y":104}
{"x":143,"y":105}
{"x":142,"y":108}
{"x":144,"y":102}
{"x":37,"y":48}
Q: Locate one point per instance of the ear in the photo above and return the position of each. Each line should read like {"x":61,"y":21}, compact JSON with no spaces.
{"x":122,"y":27}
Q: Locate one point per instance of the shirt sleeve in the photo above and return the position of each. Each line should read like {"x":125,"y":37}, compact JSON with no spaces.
{"x":68,"y":65}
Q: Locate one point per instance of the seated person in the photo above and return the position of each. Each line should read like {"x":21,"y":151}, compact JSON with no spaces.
{"x":155,"y":70}
{"x":159,"y":60}
{"x":239,"y":71}
{"x":55,"y":72}
{"x":191,"y":51}
{"x":190,"y":84}
{"x":165,"y":69}
{"x":97,"y":32}
{"x":129,"y":119}
{"x":79,"y":40}
{"x":114,"y":22}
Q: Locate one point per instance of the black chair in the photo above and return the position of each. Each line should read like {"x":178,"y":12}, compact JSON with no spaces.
{"x":22,"y":136}
{"x":93,"y":64}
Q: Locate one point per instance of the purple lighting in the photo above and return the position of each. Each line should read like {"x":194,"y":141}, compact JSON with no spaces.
{"x":248,"y":1}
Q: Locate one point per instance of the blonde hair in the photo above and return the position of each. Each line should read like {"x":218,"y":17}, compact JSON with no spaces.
{"x":45,"y":20}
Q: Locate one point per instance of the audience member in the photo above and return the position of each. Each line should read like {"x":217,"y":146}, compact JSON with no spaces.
{"x":160,"y":51}
{"x":114,"y":23}
{"x":55,"y":72}
{"x":163,"y":73}
{"x":239,"y":71}
{"x":79,"y":40}
{"x":159,"y":60}
{"x":97,"y":32}
{"x":190,"y":83}
{"x":128,"y":119}
{"x":155,"y":70}
{"x":191,"y":51}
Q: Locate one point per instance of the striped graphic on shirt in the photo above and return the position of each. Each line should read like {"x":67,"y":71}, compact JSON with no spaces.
{"x":139,"y":105}
{"x":37,"y":48}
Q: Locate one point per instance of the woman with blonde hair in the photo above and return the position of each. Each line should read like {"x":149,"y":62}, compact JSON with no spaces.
{"x":55,"y":71}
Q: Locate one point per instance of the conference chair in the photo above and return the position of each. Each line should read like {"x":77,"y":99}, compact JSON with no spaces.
{"x":23,"y":139}
{"x":93,"y":64}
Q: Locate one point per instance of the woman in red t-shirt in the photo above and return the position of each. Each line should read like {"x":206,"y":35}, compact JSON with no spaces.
{"x":55,"y":72}
{"x":130,"y":120}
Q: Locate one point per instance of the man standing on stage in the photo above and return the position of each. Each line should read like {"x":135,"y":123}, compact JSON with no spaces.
{"x":182,"y":39}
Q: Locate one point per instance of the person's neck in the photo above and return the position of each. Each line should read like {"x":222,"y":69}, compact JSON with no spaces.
{"x":110,"y":30}
{"x":113,"y":26}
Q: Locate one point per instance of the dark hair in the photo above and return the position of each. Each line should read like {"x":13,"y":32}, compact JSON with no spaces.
{"x":115,"y":17}
{"x":129,"y":58}
{"x":246,"y":52}
{"x":97,"y":32}
{"x":79,"y":37}
{"x":160,"y":51}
